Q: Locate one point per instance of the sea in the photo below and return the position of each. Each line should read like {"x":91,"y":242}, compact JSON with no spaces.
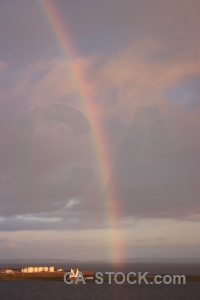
{"x":58,"y":290}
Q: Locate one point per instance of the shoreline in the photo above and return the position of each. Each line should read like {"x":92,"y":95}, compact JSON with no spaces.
{"x":55,"y":276}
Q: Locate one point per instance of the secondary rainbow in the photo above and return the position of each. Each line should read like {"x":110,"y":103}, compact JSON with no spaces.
{"x":83,"y":89}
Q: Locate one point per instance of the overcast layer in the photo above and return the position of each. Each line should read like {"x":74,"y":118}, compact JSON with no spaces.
{"x":141,"y":63}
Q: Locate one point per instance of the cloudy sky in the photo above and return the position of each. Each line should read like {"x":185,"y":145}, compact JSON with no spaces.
{"x":99,"y":129}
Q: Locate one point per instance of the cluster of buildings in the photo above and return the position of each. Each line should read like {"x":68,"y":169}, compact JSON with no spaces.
{"x":37,"y":269}
{"x":33,"y":270}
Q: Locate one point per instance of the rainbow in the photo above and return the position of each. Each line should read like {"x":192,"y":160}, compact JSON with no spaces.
{"x":62,"y":37}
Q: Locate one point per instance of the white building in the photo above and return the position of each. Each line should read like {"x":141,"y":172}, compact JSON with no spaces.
{"x":25,"y":270}
{"x":9,"y":271}
{"x":40,"y":269}
{"x":30,"y":269}
{"x":51,"y":269}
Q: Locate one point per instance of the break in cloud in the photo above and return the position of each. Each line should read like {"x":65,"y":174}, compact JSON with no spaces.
{"x":140,"y":55}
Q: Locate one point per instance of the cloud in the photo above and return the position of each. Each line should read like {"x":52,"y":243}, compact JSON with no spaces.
{"x":135,"y":76}
{"x":72,"y":202}
{"x":141,"y":74}
{"x":37,"y":218}
{"x":3,"y":65}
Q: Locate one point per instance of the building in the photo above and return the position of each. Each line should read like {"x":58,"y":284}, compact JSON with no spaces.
{"x":30,"y":269}
{"x":45,"y":269}
{"x":40,"y":269}
{"x":9,"y":271}
{"x":51,"y":269}
{"x":25,"y":270}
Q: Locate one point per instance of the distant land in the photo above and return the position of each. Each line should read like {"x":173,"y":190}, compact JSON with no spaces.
{"x":125,"y":260}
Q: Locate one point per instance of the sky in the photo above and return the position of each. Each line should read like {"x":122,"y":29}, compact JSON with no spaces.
{"x":99,"y":129}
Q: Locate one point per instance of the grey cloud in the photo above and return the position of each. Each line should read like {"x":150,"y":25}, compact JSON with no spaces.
{"x":152,"y":179}
{"x":60,"y":220}
{"x":153,"y":50}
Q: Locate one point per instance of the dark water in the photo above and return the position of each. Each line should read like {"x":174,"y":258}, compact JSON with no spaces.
{"x":29,"y":290}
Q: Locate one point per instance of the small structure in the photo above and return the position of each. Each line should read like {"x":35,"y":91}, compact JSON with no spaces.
{"x":35,"y":269}
{"x":25,"y":270}
{"x":30,"y":269}
{"x":74,"y":274}
{"x":9,"y":271}
{"x":45,"y":269}
{"x":40,"y":269}
{"x":59,"y":270}
{"x":51,"y":269}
